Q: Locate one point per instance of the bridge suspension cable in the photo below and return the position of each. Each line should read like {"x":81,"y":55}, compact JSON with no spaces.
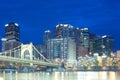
{"x":40,"y":53}
{"x":13,"y":48}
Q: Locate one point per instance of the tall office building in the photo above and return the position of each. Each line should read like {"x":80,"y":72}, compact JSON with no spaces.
{"x":80,"y":35}
{"x":62,"y":48}
{"x":108,"y":44}
{"x":77,"y":36}
{"x":79,"y":49}
{"x":12,"y":31}
{"x":47,"y":35}
{"x":3,"y":43}
{"x":12,"y":37}
{"x":98,"y":46}
{"x":71,"y":51}
{"x":91,"y":43}
{"x":57,"y":49}
{"x":104,"y":45}
{"x":68,"y":31}
{"x":64,"y":31}
{"x":84,"y":38}
{"x":82,"y":42}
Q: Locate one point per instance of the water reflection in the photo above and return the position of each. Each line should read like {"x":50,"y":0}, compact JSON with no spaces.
{"x":60,"y":76}
{"x":112,"y":76}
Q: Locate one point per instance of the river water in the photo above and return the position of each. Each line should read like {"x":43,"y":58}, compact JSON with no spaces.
{"x":87,"y":75}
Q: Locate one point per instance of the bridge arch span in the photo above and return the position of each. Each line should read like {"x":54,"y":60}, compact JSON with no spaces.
{"x":27,"y":51}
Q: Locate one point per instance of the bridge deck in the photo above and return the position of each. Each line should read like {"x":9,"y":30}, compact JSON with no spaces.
{"x":25,"y":61}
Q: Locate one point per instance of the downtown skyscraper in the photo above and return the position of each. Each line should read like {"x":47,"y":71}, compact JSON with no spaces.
{"x":82,"y":41}
{"x":58,"y":47}
{"x":79,"y":35}
{"x":12,"y":37}
{"x":64,"y":31}
{"x":104,"y":45}
{"x":84,"y":38}
{"x":12,"y":31}
{"x":47,"y":36}
{"x":85,"y":43}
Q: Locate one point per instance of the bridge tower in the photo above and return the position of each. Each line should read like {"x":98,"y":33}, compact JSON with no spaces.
{"x":27,"y":52}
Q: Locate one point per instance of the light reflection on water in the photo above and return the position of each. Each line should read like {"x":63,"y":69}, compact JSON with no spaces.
{"x":103,"y":75}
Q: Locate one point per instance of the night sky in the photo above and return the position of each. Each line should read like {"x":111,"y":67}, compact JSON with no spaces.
{"x":102,"y":17}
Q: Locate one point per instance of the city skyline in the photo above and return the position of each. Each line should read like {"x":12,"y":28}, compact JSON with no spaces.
{"x":101,"y":17}
{"x":59,"y":39}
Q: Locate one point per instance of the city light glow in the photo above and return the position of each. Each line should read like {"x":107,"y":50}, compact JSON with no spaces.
{"x":6,"y":25}
{"x":16,"y":24}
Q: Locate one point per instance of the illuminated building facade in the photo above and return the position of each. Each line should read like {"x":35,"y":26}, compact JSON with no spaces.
{"x":47,"y":35}
{"x":12,"y":36}
{"x":77,"y":36}
{"x":64,"y":31}
{"x":71,"y":51}
{"x":57,"y":48}
{"x":61,"y":48}
{"x":84,"y":38}
{"x":91,"y":43}
{"x":12,"y":31}
{"x":104,"y":45}
{"x":118,"y":54}
{"x":108,"y":44}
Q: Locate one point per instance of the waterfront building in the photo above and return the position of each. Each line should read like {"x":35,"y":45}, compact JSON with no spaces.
{"x":98,"y":46}
{"x":57,"y":48}
{"x":104,"y":59}
{"x":108,"y":44}
{"x":96,"y":55}
{"x":71,"y":51}
{"x":104,"y":45}
{"x":118,"y":54}
{"x":62,"y":48}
